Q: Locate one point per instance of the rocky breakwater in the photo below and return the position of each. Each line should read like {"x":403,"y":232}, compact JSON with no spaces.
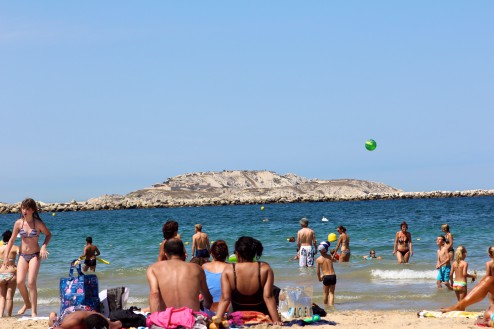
{"x":244,"y":187}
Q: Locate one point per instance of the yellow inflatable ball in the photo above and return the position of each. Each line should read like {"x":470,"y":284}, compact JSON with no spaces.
{"x":332,"y":237}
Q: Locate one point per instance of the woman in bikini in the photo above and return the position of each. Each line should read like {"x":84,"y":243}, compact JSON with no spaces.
{"x":29,"y":227}
{"x":403,"y":244}
{"x":344,"y":243}
{"x":214,"y":269}
{"x":8,"y":280}
{"x":248,"y":284}
{"x":449,"y":241}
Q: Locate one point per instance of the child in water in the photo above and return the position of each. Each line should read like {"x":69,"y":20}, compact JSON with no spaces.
{"x":459,"y":273}
{"x":324,"y":264}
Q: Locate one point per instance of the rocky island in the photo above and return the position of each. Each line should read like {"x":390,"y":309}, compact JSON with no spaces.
{"x":234,"y":187}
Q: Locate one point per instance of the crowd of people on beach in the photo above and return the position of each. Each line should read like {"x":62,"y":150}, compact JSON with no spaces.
{"x":213,"y":288}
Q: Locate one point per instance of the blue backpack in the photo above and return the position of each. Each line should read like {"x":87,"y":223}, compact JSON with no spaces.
{"x":81,"y":289}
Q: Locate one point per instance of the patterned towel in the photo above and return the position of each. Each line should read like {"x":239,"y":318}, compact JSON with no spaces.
{"x":452,"y":314}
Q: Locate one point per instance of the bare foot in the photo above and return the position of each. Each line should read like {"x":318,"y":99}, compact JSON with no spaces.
{"x":23,"y":309}
{"x":452,"y":308}
{"x":51,"y":318}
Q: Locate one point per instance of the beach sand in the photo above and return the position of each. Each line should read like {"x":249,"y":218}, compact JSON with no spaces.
{"x":344,"y":319}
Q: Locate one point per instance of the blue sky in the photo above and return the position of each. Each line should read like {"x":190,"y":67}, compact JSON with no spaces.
{"x":110,"y":97}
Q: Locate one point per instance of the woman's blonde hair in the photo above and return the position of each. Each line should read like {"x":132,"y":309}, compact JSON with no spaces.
{"x":459,"y":254}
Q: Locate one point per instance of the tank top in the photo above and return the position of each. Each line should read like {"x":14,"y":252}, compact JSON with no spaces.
{"x":254,"y":302}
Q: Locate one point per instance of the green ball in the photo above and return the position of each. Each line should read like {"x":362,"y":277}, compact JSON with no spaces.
{"x":232,"y":258}
{"x":370,"y":144}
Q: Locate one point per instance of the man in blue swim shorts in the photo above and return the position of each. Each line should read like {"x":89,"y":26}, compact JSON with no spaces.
{"x":443,"y":263}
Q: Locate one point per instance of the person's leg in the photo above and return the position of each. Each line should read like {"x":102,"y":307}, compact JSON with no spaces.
{"x":34,"y":265}
{"x":406,"y":257}
{"x":52,"y":318}
{"x":10,"y":295}
{"x":399,"y":257}
{"x":476,"y":295}
{"x":326,"y":292}
{"x":331,"y":294}
{"x":22,"y":267}
{"x":3,"y":294}
{"x":462,"y":293}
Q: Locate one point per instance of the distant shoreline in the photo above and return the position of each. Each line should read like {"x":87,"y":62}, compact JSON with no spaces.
{"x":117,"y":202}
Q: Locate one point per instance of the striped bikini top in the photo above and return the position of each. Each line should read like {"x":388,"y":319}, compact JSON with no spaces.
{"x":32,"y":234}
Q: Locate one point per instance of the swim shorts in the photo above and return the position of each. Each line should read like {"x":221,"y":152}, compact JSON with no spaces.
{"x":306,"y":256}
{"x":90,"y":262}
{"x":443,"y":274}
{"x":329,"y":280}
{"x":202,"y":253}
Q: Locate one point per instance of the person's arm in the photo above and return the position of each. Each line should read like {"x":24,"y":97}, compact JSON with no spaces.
{"x":318,"y":270}
{"x":452,"y":275}
{"x":338,"y":244}
{"x":488,"y":269}
{"x":437,"y":261}
{"x":208,"y":246}
{"x":226,"y":293}
{"x":154,"y":292}
{"x":208,"y":299}
{"x":269,"y":298}
{"x":299,"y":243}
{"x":10,"y":244}
{"x":194,"y":245}
{"x":161,"y":254}
{"x":410,"y":243}
{"x":96,"y":251}
{"x":43,"y":252}
{"x":314,"y":241}
{"x":83,"y":256}
{"x":395,"y":246}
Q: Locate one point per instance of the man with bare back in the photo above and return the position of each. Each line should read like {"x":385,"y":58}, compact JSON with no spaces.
{"x":200,"y":243}
{"x":89,"y":255}
{"x":306,"y":238}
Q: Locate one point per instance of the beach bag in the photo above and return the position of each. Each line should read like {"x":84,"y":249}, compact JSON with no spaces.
{"x":295,"y":302}
{"x":79,"y":289}
{"x":128,"y":318}
{"x":113,"y":299}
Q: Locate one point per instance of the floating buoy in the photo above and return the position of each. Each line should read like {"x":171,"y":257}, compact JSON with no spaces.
{"x":370,"y":144}
{"x":262,"y":207}
{"x":53,"y":214}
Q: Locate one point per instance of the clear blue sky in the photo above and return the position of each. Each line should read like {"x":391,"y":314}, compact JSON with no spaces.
{"x":106,"y":97}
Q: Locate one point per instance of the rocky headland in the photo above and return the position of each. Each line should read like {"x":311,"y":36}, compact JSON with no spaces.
{"x":243,"y":187}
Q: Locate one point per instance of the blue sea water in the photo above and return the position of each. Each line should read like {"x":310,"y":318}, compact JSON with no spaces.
{"x":130,"y":240}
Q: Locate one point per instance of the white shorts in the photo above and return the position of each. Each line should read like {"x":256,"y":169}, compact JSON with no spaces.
{"x":306,"y":256}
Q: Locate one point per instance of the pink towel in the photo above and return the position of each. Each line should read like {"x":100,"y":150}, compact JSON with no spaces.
{"x":172,"y":318}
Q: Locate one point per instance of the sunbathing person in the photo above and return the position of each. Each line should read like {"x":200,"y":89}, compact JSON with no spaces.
{"x":477,"y":294}
{"x":176,"y":283}
{"x":80,"y":319}
{"x":248,"y":285}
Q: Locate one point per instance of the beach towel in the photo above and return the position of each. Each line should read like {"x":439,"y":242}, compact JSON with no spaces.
{"x":241,"y":318}
{"x":453,"y":314}
{"x":128,"y":318}
{"x":178,"y":317}
{"x":79,"y":289}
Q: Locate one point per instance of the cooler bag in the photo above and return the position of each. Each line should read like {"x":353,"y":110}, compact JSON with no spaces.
{"x":81,"y":289}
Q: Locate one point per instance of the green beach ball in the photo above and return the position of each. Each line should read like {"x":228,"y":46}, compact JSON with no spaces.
{"x":232,"y":258}
{"x":370,"y":144}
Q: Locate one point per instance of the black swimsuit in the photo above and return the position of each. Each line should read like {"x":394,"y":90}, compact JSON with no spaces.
{"x":254,"y":302}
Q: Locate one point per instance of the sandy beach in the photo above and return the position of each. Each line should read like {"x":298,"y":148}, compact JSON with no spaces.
{"x":343,"y":319}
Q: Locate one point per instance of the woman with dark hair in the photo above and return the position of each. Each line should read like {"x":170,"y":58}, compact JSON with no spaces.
{"x":29,"y":227}
{"x":403,"y":244}
{"x":214,"y":269}
{"x":170,"y":230}
{"x":8,"y":279}
{"x":248,"y":284}
{"x":344,"y":243}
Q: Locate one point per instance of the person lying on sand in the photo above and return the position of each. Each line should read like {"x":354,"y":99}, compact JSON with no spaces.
{"x":477,"y":294}
{"x":74,"y":319}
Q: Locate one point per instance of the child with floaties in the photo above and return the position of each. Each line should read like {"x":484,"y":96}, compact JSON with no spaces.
{"x":459,"y":273}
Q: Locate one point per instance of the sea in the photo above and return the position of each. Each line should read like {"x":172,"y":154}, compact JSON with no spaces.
{"x":130,"y":239}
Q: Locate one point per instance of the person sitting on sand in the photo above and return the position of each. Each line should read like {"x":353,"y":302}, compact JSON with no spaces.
{"x":176,"y":283}
{"x":372,"y":255}
{"x":477,"y":294}
{"x":248,"y":284}
{"x":214,"y":269}
{"x":8,"y":279}
{"x":200,"y":243}
{"x":72,"y":318}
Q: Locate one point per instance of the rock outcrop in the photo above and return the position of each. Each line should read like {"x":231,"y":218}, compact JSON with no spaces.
{"x":243,"y":187}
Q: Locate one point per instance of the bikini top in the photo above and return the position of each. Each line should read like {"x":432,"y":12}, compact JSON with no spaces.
{"x":254,"y":302}
{"x":402,"y":238}
{"x":32,"y":234}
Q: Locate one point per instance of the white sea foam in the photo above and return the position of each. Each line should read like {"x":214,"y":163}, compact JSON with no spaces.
{"x":404,"y":274}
